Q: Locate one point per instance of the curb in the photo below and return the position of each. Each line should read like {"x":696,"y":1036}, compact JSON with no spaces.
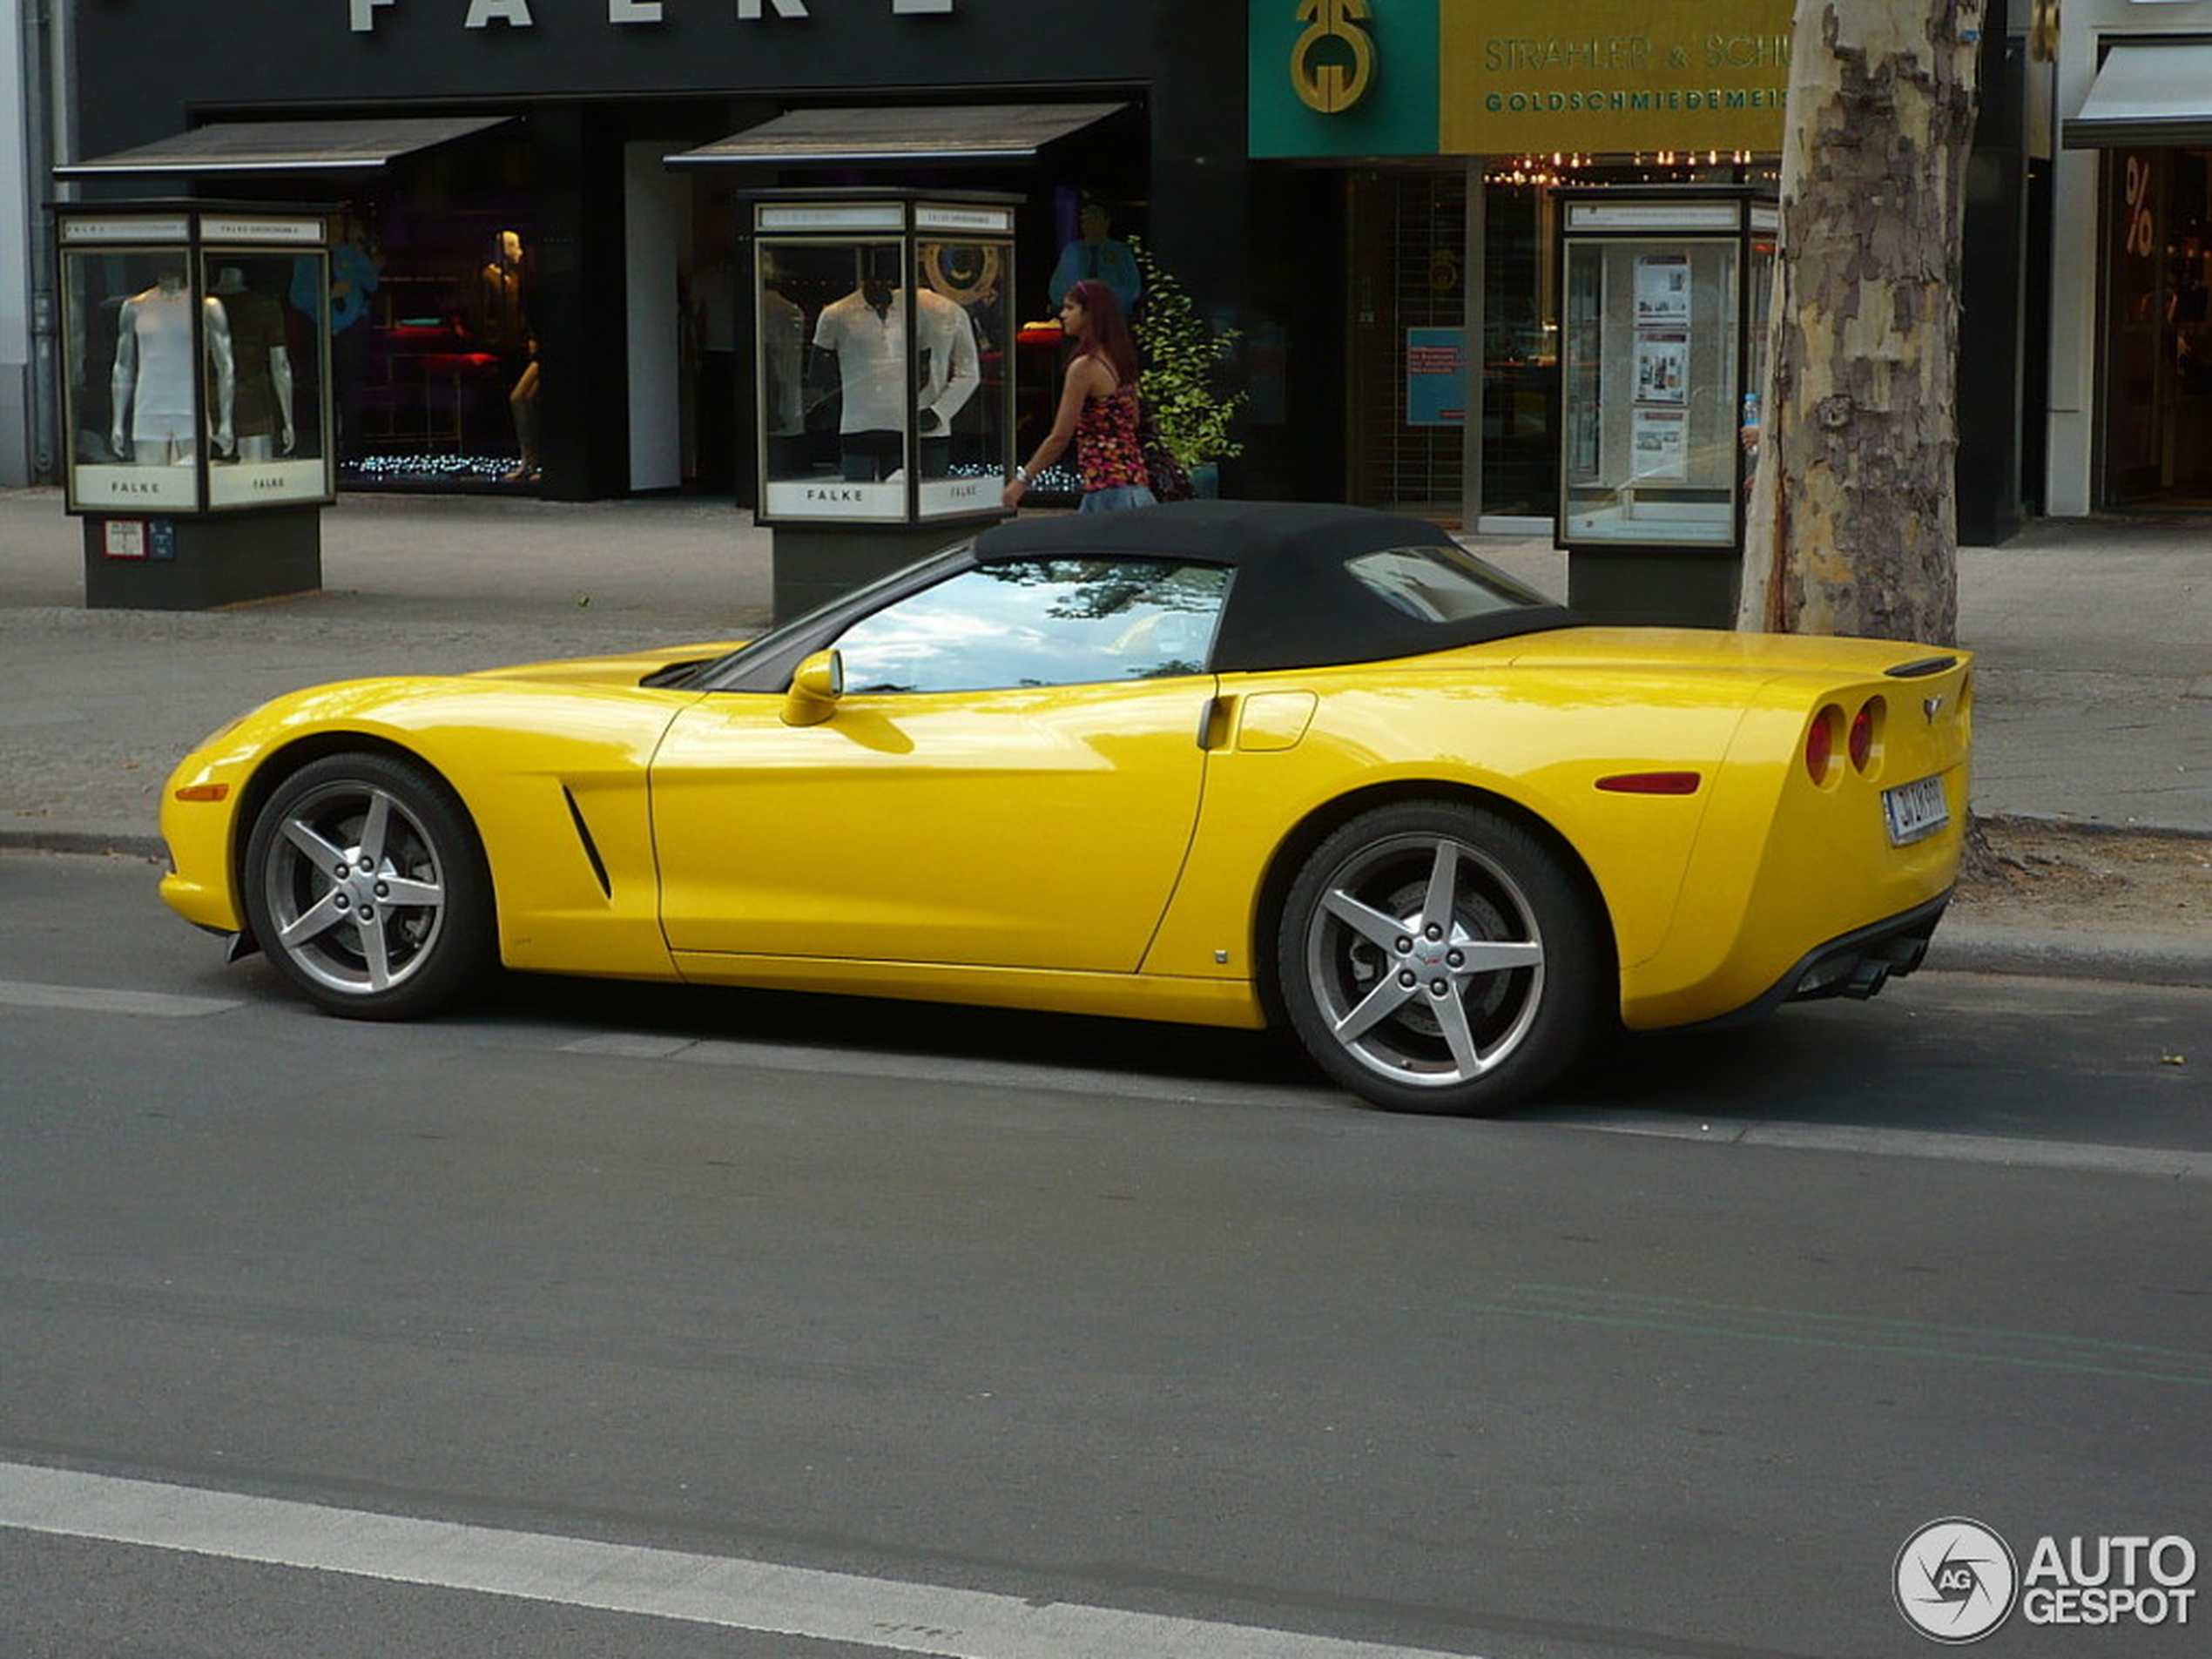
{"x":88,"y":843}
{"x":1972,"y":947}
{"x":2091,"y":829}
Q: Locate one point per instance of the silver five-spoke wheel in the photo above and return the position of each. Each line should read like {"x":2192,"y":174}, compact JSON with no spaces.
{"x":364,"y":882}
{"x":1436,"y":958}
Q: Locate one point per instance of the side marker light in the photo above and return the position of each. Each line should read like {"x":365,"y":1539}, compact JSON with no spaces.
{"x":1652,"y":783}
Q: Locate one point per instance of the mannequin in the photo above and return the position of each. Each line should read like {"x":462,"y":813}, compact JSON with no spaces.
{"x":503,"y":325}
{"x":261,"y":410}
{"x":155,"y":422}
{"x":783,"y":355}
{"x":1093,"y":254}
{"x":498,"y":319}
{"x":522,"y":403}
{"x":866,"y":332}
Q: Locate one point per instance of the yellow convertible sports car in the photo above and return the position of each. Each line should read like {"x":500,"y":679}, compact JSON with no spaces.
{"x":1221,"y":763}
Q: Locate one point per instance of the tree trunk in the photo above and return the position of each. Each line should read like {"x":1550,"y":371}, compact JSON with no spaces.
{"x":1852,"y":520}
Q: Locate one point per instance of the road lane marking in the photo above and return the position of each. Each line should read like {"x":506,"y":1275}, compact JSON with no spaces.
{"x":84,"y":999}
{"x":971,"y":1072}
{"x":2170,"y":1163}
{"x":731,"y":1593}
{"x":2181,"y":1163}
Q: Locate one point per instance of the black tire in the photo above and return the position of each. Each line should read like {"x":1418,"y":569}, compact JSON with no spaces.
{"x":1433,"y":957}
{"x":365,"y":884}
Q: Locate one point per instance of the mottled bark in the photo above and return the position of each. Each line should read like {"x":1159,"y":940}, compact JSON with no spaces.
{"x":1852,"y":522}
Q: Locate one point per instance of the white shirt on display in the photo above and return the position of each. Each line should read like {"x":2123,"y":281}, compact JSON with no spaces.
{"x":871,"y":347}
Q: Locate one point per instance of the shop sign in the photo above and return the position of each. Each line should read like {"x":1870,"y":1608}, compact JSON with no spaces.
{"x":996,"y":221}
{"x":1342,"y":77}
{"x":831,"y":218}
{"x":1471,"y":77}
{"x":1621,"y":76}
{"x":294,"y":233}
{"x":520,"y":14}
{"x":138,"y":229}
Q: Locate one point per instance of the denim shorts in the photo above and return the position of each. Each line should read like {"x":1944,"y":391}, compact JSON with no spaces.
{"x":1115,"y":497}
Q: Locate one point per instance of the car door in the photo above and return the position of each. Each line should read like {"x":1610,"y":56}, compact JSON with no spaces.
{"x":1009,"y":778}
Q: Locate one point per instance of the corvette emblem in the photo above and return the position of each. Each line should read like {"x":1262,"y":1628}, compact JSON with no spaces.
{"x":1929,"y":705}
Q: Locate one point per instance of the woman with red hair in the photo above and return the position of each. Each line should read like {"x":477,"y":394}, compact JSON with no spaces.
{"x":1098,"y":411}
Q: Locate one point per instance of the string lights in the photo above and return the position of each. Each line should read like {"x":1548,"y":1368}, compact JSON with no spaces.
{"x":1659,"y":166}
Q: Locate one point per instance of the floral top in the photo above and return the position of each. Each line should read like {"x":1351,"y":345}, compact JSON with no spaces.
{"x":1107,"y":456}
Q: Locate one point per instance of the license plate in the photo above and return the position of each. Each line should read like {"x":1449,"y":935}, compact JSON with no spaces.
{"x":1915,"y":811}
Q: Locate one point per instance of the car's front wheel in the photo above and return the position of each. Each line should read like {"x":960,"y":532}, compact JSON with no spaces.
{"x":365,"y":883}
{"x":1434,"y":957}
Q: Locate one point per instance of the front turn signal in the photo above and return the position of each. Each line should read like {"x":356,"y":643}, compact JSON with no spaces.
{"x":203,"y":793}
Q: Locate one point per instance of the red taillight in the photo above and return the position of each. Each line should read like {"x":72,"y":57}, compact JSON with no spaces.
{"x":1820,"y":743}
{"x":1862,"y":735}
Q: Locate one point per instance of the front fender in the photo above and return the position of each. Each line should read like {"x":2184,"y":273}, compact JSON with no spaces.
{"x":551,"y":775}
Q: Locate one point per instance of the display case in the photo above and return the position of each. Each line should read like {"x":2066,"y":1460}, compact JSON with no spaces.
{"x":193,"y":362}
{"x":1663,"y":305}
{"x":194,"y":368}
{"x":883,"y":390}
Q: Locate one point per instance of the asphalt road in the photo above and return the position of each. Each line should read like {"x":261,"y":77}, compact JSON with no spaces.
{"x":612,"y":1320}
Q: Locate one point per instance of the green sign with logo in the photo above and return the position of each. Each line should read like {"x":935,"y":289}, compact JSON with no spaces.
{"x":1343,"y":77}
{"x":1428,"y":77}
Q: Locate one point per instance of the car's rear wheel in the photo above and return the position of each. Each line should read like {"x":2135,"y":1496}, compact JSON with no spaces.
{"x":1433,"y":957}
{"x":365,"y":883}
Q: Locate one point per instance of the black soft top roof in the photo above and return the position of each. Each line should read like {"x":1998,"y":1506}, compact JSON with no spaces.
{"x":1293,"y":603}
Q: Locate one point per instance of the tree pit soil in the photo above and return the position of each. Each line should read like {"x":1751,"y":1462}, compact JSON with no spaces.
{"x":2058,"y":877}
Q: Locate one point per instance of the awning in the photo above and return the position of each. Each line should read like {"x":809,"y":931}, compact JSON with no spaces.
{"x":958,"y":133}
{"x":2147,"y":92}
{"x":231,"y":147}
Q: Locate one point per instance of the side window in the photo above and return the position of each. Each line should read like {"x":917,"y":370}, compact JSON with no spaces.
{"x":1041,"y":622}
{"x":1438,"y":583}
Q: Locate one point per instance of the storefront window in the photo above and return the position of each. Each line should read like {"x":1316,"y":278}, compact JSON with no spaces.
{"x":1410,"y":361}
{"x":2158,"y":287}
{"x":434,"y":357}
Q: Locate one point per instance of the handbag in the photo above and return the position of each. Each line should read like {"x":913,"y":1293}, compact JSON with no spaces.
{"x":1162,"y":471}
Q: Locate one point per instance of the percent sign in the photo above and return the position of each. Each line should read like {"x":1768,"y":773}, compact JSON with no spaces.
{"x":2141,"y":239}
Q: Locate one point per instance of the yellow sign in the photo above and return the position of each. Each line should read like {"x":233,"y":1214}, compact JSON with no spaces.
{"x":1323,"y":80}
{"x":1618,"y":76}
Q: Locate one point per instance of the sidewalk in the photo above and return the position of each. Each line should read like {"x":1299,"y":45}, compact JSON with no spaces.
{"x":2094,"y":687}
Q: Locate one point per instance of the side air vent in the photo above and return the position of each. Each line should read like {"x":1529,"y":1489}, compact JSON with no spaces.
{"x":590,"y":846}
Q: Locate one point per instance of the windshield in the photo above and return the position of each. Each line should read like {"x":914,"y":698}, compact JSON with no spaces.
{"x":758,"y":664}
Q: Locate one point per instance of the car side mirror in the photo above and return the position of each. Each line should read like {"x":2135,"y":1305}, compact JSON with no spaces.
{"x":815,"y":688}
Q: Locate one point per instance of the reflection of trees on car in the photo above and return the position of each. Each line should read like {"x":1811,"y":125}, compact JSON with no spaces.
{"x":1041,"y":622}
{"x":1092,"y":590}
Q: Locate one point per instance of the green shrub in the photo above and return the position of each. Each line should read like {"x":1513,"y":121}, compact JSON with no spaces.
{"x":1181,"y":353}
